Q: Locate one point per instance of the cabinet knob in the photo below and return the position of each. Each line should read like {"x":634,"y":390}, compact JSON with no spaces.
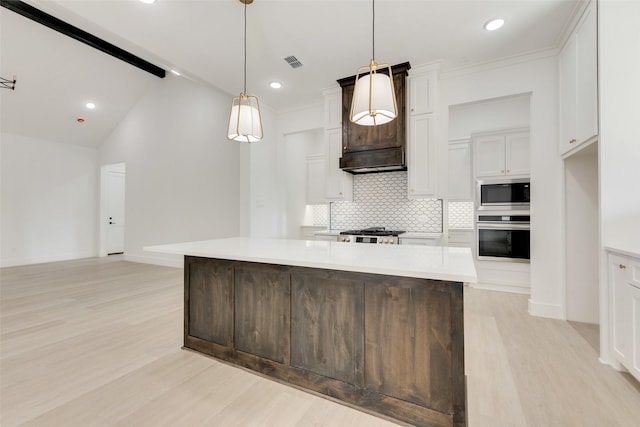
{"x":508,"y":171}
{"x":412,"y":110}
{"x":502,"y":171}
{"x":412,"y":190}
{"x":345,"y":148}
{"x":622,"y":266}
{"x":341,"y":193}
{"x":572,"y":141}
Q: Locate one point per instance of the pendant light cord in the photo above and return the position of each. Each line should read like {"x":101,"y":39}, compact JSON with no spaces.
{"x":245,"y":48}
{"x":373,"y":32}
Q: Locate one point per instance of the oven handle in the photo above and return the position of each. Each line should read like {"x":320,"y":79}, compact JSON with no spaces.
{"x":503,"y":226}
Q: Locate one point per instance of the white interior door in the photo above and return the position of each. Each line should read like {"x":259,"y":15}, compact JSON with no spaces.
{"x":115,"y":212}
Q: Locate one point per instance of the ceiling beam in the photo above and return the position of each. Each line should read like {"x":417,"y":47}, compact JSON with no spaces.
{"x":69,"y":30}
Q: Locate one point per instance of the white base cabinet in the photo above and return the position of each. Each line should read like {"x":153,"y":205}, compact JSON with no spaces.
{"x":624,"y":310}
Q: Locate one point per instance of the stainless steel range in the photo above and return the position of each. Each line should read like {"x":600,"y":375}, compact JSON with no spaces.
{"x":371,"y":235}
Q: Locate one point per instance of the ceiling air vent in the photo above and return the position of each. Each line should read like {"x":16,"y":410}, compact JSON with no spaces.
{"x":293,"y":61}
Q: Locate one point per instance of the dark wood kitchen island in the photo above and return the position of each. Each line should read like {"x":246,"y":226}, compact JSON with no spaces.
{"x":378,"y":327}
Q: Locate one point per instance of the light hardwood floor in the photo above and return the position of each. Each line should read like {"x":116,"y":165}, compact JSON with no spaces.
{"x":96,"y":342}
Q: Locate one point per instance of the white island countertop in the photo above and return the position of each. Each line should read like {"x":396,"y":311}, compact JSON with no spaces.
{"x":426,"y":262}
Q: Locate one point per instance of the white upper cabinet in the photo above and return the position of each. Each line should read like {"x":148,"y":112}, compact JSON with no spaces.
{"x":422,"y":94}
{"x":459,"y":171}
{"x":504,"y":153}
{"x":332,"y":108}
{"x":517,"y":154}
{"x":338,"y":185}
{"x":421,"y":135}
{"x":578,"y":65}
{"x":422,"y":164}
{"x":315,"y":179}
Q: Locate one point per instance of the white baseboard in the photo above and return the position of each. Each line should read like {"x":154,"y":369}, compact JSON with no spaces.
{"x":176,"y":261}
{"x":13,"y":262}
{"x":545,"y":310}
{"x":504,"y":287}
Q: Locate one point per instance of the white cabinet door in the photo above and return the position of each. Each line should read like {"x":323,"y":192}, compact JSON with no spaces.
{"x":333,"y":108}
{"x":459,"y":238}
{"x":568,"y":64}
{"x":624,"y":286}
{"x":338,"y":185}
{"x":578,"y":68}
{"x":418,"y":242}
{"x":459,"y":171}
{"x":327,"y":237}
{"x":421,"y":94}
{"x":634,"y":366}
{"x":489,"y":155}
{"x":587,"y":78}
{"x":621,"y":309}
{"x":517,"y":154}
{"x":421,"y":153}
{"x":315,"y":179}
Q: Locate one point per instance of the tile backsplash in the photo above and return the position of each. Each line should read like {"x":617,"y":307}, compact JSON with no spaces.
{"x":380,"y":199}
{"x":319,"y":214}
{"x":461,"y":215}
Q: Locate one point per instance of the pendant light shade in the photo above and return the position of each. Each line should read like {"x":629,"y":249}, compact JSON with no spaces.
{"x":374,"y":97}
{"x":374,"y":100}
{"x":245,"y":122}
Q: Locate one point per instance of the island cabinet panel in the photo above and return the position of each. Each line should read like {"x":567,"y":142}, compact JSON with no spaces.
{"x":408,"y":344}
{"x":209,"y":296}
{"x":262,"y":318}
{"x":327,"y":324}
{"x":384,"y":344}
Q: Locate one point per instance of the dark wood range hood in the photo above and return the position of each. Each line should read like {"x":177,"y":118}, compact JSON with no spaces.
{"x":367,"y":149}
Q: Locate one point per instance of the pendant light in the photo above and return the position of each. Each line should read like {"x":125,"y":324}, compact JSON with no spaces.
{"x":374,"y":98}
{"x":245,"y":123}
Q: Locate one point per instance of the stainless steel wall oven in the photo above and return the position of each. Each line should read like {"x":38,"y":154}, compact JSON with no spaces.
{"x":503,"y":236}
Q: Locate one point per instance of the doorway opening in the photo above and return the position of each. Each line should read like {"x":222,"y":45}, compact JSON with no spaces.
{"x":112,"y":208}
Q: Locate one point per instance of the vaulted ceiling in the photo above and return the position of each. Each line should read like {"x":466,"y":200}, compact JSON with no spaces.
{"x":203,"y":39}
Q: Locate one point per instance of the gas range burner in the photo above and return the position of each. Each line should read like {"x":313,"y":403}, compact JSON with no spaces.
{"x":370,"y":235}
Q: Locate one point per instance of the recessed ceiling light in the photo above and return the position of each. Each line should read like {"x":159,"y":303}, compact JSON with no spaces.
{"x":177,"y":73}
{"x":90,"y":105}
{"x":148,"y":1}
{"x":494,"y":24}
{"x":275,"y":85}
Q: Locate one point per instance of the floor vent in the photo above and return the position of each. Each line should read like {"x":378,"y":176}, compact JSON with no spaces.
{"x":293,"y":61}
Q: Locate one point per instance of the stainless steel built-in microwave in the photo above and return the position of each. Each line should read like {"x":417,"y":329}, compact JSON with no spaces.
{"x":503,"y":194}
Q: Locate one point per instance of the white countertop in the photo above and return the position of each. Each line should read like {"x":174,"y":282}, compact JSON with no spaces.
{"x":426,"y":262}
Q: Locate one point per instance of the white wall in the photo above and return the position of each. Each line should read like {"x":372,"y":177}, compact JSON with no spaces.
{"x":49,"y":202}
{"x":581,"y":236}
{"x":183,"y":175}
{"x":487,"y":115}
{"x":619,"y":140}
{"x":265,"y":199}
{"x":538,"y":76}
{"x":619,"y":78}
